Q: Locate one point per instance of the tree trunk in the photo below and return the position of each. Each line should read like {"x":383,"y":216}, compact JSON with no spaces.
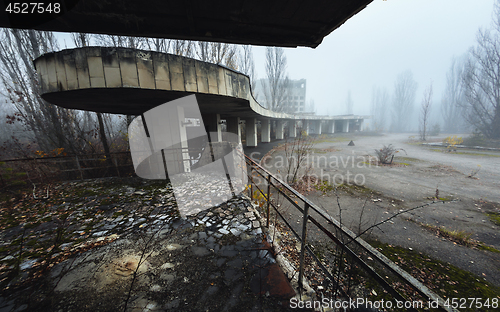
{"x":104,"y":141}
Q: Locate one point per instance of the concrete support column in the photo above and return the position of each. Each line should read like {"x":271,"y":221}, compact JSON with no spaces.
{"x":317,"y":127}
{"x":265,"y":130}
{"x":292,"y":129}
{"x":251,"y":131}
{"x":345,"y":126}
{"x":233,"y":126}
{"x":212,"y":124}
{"x":305,"y":126}
{"x":330,"y":127}
{"x":362,"y":125}
{"x":279,"y":129}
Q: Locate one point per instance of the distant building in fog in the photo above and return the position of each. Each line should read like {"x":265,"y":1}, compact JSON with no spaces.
{"x":294,"y":99}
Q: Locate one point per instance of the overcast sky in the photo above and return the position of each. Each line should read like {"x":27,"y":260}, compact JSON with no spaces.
{"x":383,"y":40}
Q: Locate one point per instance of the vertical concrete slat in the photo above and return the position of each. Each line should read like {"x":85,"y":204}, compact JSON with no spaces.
{"x":61,"y":72}
{"x":111,"y":66}
{"x":244,"y":87}
{"x":212,"y":76}
{"x":82,"y":68}
{"x":96,"y":70}
{"x":128,"y":68}
{"x":161,"y":70}
{"x":229,"y":82}
{"x":51,"y":73}
{"x":201,"y":76}
{"x":221,"y":81}
{"x":145,"y":70}
{"x":189,"y":75}
{"x":70,"y":68}
{"x":176,"y":73}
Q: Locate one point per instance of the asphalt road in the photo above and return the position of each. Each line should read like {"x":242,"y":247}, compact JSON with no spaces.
{"x":413,"y":181}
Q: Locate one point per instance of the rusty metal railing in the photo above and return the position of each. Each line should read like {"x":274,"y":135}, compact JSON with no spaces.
{"x":305,"y":209}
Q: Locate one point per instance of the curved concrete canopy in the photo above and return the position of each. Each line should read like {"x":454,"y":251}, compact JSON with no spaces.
{"x":287,"y":23}
{"x":130,"y":81}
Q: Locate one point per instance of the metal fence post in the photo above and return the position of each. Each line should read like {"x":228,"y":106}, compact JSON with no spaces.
{"x":268,"y":197}
{"x":303,"y":244}
{"x":251,"y":181}
{"x":78,"y":166}
{"x":116,"y":165}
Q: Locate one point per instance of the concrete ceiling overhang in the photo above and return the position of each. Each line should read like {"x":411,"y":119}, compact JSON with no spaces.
{"x":131,"y":81}
{"x":287,"y":23}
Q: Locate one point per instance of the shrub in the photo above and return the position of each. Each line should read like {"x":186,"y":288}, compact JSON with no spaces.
{"x":450,"y":142}
{"x":435,"y":130}
{"x":386,"y":154}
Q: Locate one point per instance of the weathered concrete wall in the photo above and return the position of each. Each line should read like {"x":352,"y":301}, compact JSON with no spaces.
{"x":102,"y":67}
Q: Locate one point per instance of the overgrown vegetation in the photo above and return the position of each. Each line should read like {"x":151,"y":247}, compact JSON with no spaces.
{"x":386,"y":154}
{"x":451,"y":142}
{"x":446,"y":280}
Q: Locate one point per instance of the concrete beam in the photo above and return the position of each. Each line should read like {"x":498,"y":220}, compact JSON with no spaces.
{"x":265,"y":130}
{"x":251,"y":131}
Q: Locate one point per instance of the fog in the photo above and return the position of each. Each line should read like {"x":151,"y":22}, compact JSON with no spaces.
{"x":385,"y":39}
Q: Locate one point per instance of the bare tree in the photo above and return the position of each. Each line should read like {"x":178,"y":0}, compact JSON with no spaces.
{"x":275,"y":91}
{"x":425,"y":112}
{"x":481,"y":81}
{"x":380,"y":102}
{"x":348,"y":103}
{"x":52,"y":126}
{"x":453,"y":97}
{"x":217,"y":53}
{"x":403,"y":101}
{"x":247,"y":65}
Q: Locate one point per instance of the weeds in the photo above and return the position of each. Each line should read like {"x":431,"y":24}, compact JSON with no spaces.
{"x":473,"y":173}
{"x":386,"y":154}
{"x":451,"y":142}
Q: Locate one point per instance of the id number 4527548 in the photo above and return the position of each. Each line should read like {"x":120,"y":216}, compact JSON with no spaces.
{"x":472,"y":303}
{"x":33,"y":8}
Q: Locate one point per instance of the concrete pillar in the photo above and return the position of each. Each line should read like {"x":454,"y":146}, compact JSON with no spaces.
{"x":292,"y":129}
{"x":265,"y":130}
{"x":279,"y":129}
{"x":330,"y":126}
{"x":345,"y":125}
{"x":251,"y":131}
{"x":305,"y":126}
{"x":362,"y":125}
{"x":233,"y":126}
{"x":317,"y":127}
{"x":212,"y":124}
